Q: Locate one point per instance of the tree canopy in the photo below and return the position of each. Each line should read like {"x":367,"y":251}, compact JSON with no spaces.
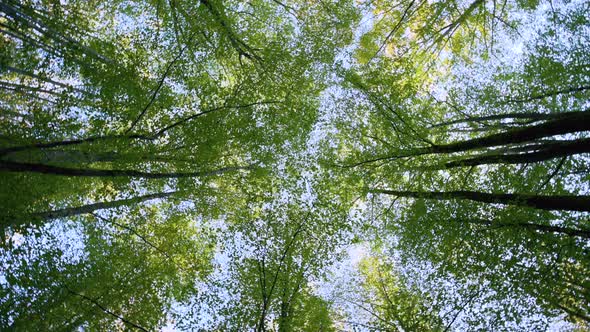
{"x":288,"y":165}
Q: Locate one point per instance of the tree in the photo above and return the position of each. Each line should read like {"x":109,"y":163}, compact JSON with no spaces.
{"x":395,"y":306}
{"x":112,"y":272}
{"x":270,"y":254}
{"x":487,"y":169}
{"x":196,"y":111}
{"x":167,"y":103}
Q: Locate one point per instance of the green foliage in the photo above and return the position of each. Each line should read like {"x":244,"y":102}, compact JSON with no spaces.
{"x":205,"y":164}
{"x":395,"y":304}
{"x":431,"y":135}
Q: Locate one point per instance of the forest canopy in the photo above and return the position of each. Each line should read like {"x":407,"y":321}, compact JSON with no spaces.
{"x":288,"y":165}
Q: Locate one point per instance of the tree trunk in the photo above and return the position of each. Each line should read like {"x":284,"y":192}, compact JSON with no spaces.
{"x":527,"y":116}
{"x":575,"y":122}
{"x":557,"y":202}
{"x":43,"y":79}
{"x":572,"y":123}
{"x":89,"y":208}
{"x":552,"y":151}
{"x":531,"y":226}
{"x":87,"y":172}
{"x":69,"y":142}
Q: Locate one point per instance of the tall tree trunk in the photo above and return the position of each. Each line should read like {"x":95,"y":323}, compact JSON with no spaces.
{"x":43,"y":79}
{"x":550,"y":151}
{"x":89,"y":208}
{"x":585,"y":233}
{"x":87,"y":172}
{"x":574,"y":122}
{"x":148,"y":136}
{"x":557,"y":202}
{"x":526,"y":116}
{"x":549,"y":94}
{"x":69,"y":142}
{"x":19,"y":15}
{"x":40,"y":217}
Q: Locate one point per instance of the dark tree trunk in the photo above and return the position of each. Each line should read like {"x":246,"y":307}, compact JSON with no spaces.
{"x":557,"y":202}
{"x":550,"y":151}
{"x":86,"y":172}
{"x":74,"y":211}
{"x":526,"y":116}
{"x":575,"y":122}
{"x":531,"y":226}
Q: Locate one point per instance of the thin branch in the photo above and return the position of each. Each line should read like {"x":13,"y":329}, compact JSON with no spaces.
{"x":158,"y":88}
{"x":106,"y":310}
{"x":134,"y":232}
{"x":552,"y":175}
